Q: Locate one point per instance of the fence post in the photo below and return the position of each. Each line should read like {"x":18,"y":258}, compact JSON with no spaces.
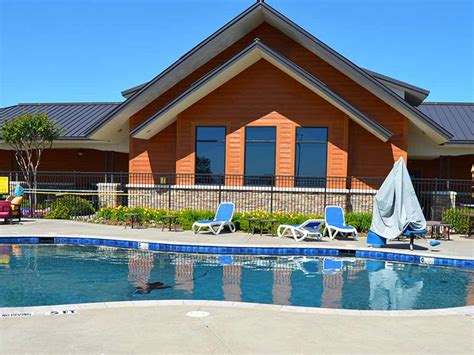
{"x":75,"y":180}
{"x":325,"y":192}
{"x":74,"y":206}
{"x":271,"y":197}
{"x":169,"y":192}
{"x":220,"y":189}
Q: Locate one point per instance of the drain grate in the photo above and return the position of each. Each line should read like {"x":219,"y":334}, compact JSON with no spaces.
{"x":197,"y":314}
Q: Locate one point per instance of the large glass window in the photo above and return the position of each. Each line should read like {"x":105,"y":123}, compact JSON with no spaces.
{"x":210,"y":154}
{"x":260,"y":155}
{"x":311,"y":156}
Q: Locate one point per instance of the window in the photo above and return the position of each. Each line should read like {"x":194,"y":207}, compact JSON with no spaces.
{"x":311,"y":156}
{"x":260,"y":155}
{"x":210,"y":155}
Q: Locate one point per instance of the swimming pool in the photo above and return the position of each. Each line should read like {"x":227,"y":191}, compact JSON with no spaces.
{"x":34,"y":275}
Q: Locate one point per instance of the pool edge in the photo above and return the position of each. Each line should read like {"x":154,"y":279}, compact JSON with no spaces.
{"x":68,"y":309}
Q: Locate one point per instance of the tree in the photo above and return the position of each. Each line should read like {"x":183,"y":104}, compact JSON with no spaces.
{"x":29,"y":135}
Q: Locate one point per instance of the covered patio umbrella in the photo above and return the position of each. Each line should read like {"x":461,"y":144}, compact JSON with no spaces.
{"x":396,"y":208}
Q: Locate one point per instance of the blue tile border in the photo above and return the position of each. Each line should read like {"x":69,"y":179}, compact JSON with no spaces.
{"x":19,"y":240}
{"x":210,"y":249}
{"x":415,"y":259}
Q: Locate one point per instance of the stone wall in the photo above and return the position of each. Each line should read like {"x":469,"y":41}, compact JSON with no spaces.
{"x":247,"y":200}
{"x":109,"y":194}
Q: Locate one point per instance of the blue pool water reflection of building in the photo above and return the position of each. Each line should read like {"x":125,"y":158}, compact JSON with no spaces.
{"x":59,"y":274}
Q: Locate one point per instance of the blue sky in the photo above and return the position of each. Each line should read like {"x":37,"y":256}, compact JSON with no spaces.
{"x":90,"y":50}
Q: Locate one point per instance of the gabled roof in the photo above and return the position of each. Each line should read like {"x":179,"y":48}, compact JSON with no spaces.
{"x":75,"y":118}
{"x":241,"y":61}
{"x":412,"y":94}
{"x":238,"y":27}
{"x":456,"y":117}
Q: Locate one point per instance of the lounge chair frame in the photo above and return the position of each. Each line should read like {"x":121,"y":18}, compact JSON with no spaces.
{"x":215,"y":226}
{"x":299,"y":232}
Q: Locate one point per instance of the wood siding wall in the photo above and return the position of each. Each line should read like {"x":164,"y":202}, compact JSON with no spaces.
{"x":447,"y":167}
{"x":368,"y":156}
{"x":157,"y":154}
{"x":74,"y":160}
{"x":263,"y":95}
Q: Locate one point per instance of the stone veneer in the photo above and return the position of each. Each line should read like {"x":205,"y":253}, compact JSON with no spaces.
{"x":108,"y":194}
{"x":285,"y":200}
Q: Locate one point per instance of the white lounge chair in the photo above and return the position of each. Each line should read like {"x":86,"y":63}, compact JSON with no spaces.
{"x":223,"y":218}
{"x":334,"y":223}
{"x":309,"y":228}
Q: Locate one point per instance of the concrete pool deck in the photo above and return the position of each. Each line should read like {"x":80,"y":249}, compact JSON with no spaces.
{"x":149,"y":329}
{"x":141,"y":327}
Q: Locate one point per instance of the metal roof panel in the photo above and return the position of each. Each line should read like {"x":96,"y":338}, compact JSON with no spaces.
{"x":456,"y":117}
{"x":75,"y":118}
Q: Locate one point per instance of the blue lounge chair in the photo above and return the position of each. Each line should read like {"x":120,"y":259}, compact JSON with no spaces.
{"x":223,"y":218}
{"x":334,"y":223}
{"x":299,"y":232}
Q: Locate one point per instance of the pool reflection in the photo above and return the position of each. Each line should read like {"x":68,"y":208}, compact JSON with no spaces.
{"x":326,"y":282}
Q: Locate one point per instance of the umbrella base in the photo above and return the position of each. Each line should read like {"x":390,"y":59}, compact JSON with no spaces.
{"x":375,"y":240}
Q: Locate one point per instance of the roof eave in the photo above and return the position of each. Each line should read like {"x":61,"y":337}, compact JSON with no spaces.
{"x":129,"y":92}
{"x":400,"y":83}
{"x":458,"y":144}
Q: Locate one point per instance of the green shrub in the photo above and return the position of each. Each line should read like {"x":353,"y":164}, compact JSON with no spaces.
{"x":361,"y":221}
{"x":59,"y":212}
{"x":69,"y":206}
{"x":456,"y":220}
{"x":187,"y":217}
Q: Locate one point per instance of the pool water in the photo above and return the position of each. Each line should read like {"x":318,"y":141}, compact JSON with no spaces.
{"x":33,"y":275}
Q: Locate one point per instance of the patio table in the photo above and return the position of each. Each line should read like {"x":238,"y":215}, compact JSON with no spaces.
{"x":252,"y":224}
{"x":132,"y":219}
{"x":439,"y":229}
{"x":267,"y":225}
{"x":170,"y":220}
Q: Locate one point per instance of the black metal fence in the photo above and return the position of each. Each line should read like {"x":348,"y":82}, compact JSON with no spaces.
{"x":83,"y":193}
